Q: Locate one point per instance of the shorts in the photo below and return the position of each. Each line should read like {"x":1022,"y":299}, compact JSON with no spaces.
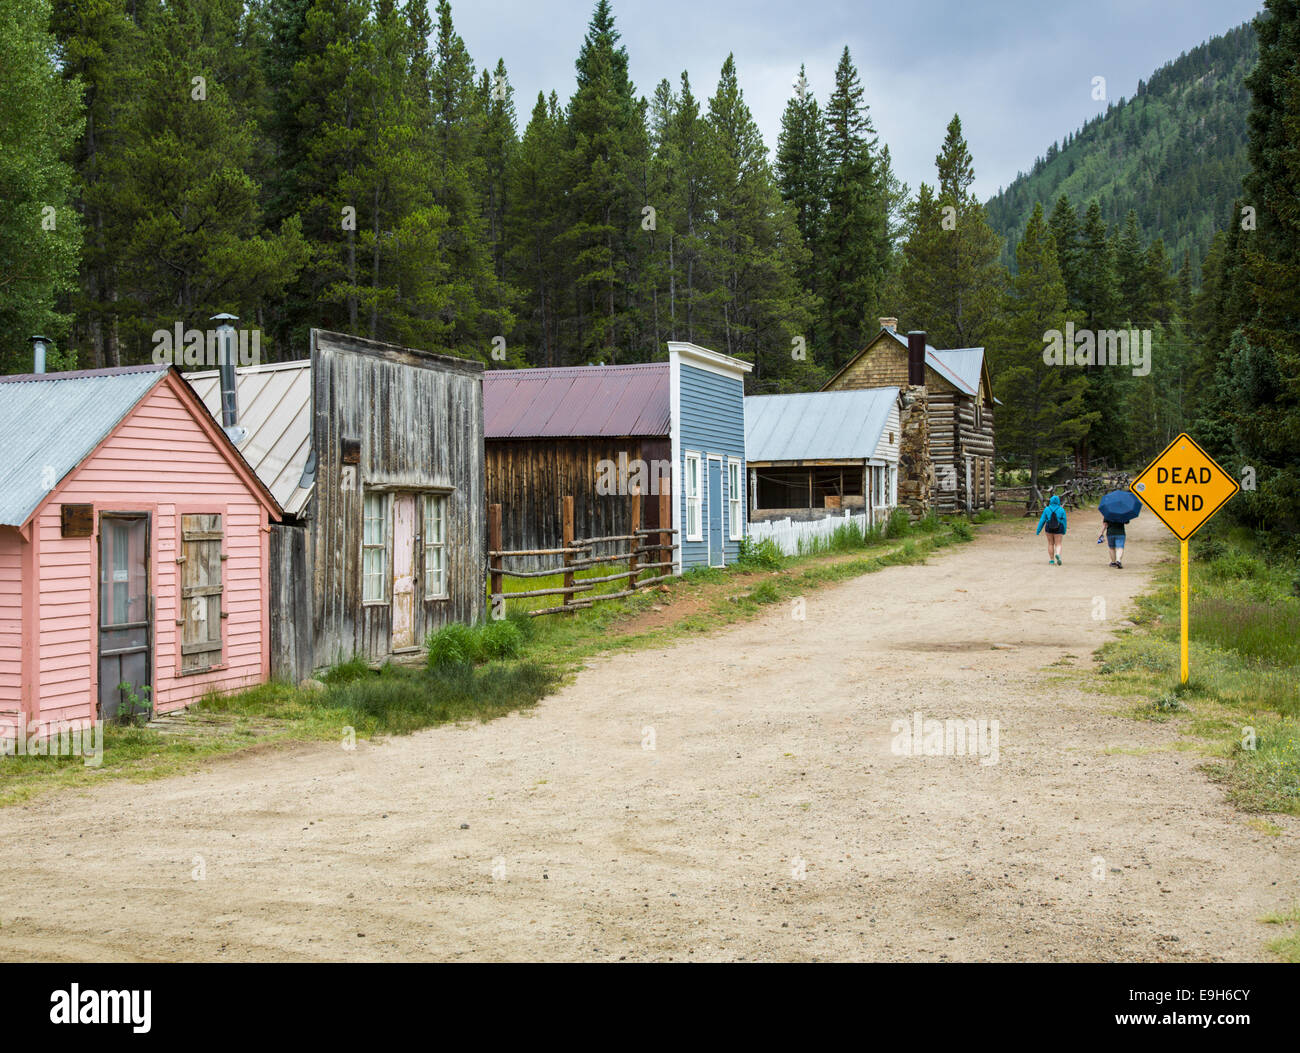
{"x":1056,"y":533}
{"x":1115,"y":540}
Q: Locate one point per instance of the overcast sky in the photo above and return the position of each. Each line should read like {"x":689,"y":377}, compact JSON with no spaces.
{"x":1018,"y":71}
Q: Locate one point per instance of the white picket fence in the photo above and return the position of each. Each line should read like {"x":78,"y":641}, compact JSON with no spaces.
{"x":787,"y":533}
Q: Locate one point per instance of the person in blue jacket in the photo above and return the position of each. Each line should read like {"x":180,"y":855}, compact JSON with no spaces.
{"x":1053,"y":521}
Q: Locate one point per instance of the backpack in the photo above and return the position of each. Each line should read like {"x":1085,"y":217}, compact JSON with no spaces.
{"x":1053,"y":522}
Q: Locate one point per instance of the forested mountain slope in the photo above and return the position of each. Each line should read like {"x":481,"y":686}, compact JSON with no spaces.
{"x":1175,"y":153}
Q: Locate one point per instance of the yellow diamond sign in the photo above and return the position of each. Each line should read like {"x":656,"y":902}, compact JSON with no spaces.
{"x":1184,"y":486}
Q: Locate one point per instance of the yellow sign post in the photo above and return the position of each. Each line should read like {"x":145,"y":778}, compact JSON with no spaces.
{"x":1184,"y":487}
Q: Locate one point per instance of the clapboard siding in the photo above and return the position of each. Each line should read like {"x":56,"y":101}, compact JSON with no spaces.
{"x":159,"y":460}
{"x":11,"y":620}
{"x":711,"y":421}
{"x":419,"y":420}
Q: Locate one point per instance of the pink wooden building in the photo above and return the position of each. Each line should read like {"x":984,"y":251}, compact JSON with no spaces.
{"x":133,"y":547}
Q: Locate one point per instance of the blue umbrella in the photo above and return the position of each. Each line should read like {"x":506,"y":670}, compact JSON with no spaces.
{"x":1119,"y":506}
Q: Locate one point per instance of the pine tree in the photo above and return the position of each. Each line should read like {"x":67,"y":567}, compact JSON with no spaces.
{"x":1064,"y":224}
{"x":1268,"y":433}
{"x":853,"y":251}
{"x":1100,"y":304}
{"x":605,"y":149}
{"x":498,"y":144}
{"x":187,"y":229}
{"x":1043,"y":412}
{"x":950,"y":281}
{"x":474,"y":307}
{"x":801,"y":173}
{"x":100,"y":47}
{"x":40,"y":236}
{"x":1130,"y":274}
{"x":534,"y":219}
{"x":754,"y":308}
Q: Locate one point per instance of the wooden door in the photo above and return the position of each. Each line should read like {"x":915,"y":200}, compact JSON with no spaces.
{"x":125,"y":614}
{"x":716,"y":511}
{"x":403,"y":571}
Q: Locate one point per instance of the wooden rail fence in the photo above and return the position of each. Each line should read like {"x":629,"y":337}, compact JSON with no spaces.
{"x":577,"y":554}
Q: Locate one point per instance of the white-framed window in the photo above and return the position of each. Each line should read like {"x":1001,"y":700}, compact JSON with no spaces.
{"x":435,"y":546}
{"x":374,"y":549}
{"x":735,"y":500}
{"x":694,"y":506}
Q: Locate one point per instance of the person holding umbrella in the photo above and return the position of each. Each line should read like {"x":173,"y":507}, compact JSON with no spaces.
{"x":1117,"y":508}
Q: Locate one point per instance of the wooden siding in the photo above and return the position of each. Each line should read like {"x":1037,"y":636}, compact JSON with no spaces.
{"x":159,"y":460}
{"x":883,"y":364}
{"x":711,"y":423}
{"x":419,"y":420}
{"x":529,"y":478}
{"x":11,"y":620}
{"x":290,"y":603}
{"x":954,"y":436}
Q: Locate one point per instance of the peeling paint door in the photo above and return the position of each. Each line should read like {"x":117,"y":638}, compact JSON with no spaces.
{"x":125,"y":615}
{"x":403,"y":571}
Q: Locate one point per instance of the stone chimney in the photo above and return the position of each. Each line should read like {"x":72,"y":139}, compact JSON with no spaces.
{"x":889,"y":323}
{"x":916,"y":481}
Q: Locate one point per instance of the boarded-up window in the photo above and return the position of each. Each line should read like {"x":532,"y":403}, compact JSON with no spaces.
{"x":200,"y":592}
{"x":374,"y":549}
{"x":435,"y":546}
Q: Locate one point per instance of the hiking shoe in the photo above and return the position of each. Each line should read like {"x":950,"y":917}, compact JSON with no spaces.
{"x":1058,"y":561}
{"x":1112,"y":563}
{"x":1120,"y":565}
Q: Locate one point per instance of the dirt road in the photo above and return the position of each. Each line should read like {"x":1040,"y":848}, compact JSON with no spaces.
{"x":771,"y":820}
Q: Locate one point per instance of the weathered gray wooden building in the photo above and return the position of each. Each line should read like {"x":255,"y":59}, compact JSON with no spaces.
{"x":376,"y":454}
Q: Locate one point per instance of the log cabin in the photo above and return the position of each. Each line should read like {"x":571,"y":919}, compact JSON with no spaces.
{"x":958,"y":393}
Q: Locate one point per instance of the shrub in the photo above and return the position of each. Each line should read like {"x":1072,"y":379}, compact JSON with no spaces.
{"x":899,"y":524}
{"x":962,"y":531}
{"x":765,"y":593}
{"x":1236,"y":564}
{"x":500,"y":639}
{"x":453,"y":645}
{"x":763,"y":555}
{"x":355,"y":668}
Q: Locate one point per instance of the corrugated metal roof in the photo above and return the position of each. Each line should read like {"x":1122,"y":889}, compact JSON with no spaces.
{"x":816,"y":425}
{"x":966,"y":364}
{"x":275,"y":407}
{"x":49,"y":423}
{"x":948,"y":367}
{"x":577,"y":401}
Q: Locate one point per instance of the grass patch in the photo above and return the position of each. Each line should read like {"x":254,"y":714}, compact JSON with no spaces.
{"x":1286,"y":947}
{"x":1242,"y":701}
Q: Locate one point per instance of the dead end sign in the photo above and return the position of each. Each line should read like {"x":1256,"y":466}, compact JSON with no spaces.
{"x":1184,"y":487}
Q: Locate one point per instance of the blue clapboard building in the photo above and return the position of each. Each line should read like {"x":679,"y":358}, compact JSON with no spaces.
{"x":707,"y":390}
